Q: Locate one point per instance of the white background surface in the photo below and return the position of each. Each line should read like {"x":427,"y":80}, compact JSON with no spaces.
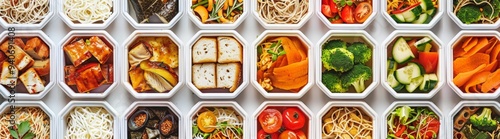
{"x":250,"y":99}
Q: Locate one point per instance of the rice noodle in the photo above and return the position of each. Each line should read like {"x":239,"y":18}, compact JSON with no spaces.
{"x":24,"y":11}
{"x":38,"y":119}
{"x":282,"y":11}
{"x":89,"y":122}
{"x":88,"y":11}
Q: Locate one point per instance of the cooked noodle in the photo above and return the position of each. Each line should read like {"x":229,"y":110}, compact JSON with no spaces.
{"x":282,"y":11}
{"x":39,"y":122}
{"x":347,"y":121}
{"x":88,"y":11}
{"x":89,"y":122}
{"x":23,"y":11}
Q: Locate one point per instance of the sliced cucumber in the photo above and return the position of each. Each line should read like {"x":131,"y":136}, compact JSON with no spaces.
{"x":429,"y":83}
{"x":422,"y":42}
{"x":426,"y":5}
{"x":391,"y":80}
{"x":401,"y":51}
{"x":398,"y":18}
{"x":398,"y":87}
{"x":391,"y":65}
{"x":431,"y":12}
{"x":411,"y":14}
{"x":415,"y":82}
{"x":421,"y":19}
{"x":406,"y":74}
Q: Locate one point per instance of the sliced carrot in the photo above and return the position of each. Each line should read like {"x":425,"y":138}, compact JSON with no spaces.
{"x":465,"y":64}
{"x":479,"y":78}
{"x":492,"y":82}
{"x":283,"y":62}
{"x":493,"y":41}
{"x":291,"y":71}
{"x":483,"y":42}
{"x":494,"y":53}
{"x":466,"y":41}
{"x":302,"y":49}
{"x":291,"y":51}
{"x":472,"y":43}
{"x":491,"y":66}
{"x":290,"y":84}
{"x":260,"y":75}
{"x":462,"y":78}
{"x":458,"y":52}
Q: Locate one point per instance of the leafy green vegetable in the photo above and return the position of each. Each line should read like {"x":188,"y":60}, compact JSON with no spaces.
{"x":22,"y":131}
{"x":469,"y":14}
{"x":338,"y":59}
{"x":403,"y":113}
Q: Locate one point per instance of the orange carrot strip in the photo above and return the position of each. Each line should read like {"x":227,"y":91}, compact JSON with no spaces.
{"x":462,"y":78}
{"x":493,"y":41}
{"x":479,"y":78}
{"x":494,"y":53}
{"x":458,"y":52}
{"x":290,"y":49}
{"x":465,"y":64}
{"x":472,"y":43}
{"x":291,"y":71}
{"x":284,"y":62}
{"x":491,"y":66}
{"x":466,"y":41}
{"x":290,"y":84}
{"x":300,"y":47}
{"x":493,"y":81}
{"x":483,"y":42}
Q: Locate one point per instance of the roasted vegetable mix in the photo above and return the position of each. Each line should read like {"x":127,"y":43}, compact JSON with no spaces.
{"x":412,"y":11}
{"x":345,"y":65}
{"x":217,"y":11}
{"x":477,"y":11}
{"x":407,"y":122}
{"x":346,"y":11}
{"x":412,"y":65}
{"x":476,"y":123}
{"x":217,"y":123}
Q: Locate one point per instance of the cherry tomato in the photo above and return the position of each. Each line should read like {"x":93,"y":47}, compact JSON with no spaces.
{"x":288,"y":134}
{"x":333,"y":7}
{"x":293,"y":118}
{"x":263,"y":135}
{"x":336,"y":21}
{"x":429,"y":61}
{"x":270,"y":120}
{"x":325,"y":9}
{"x":362,"y":12}
{"x":347,"y":15}
{"x":300,"y":134}
{"x":206,"y":121}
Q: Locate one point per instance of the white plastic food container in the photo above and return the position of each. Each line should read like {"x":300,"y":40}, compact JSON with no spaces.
{"x":103,"y":90}
{"x":435,"y":18}
{"x":52,"y":56}
{"x":216,"y":104}
{"x":197,"y":21}
{"x":428,"y":104}
{"x":453,"y":16}
{"x":48,"y":17}
{"x":309,"y":126}
{"x":130,"y":41}
{"x":366,"y":109}
{"x":217,"y":93}
{"x":373,"y":15}
{"x":129,"y":14}
{"x":449,"y":62}
{"x":62,"y":122}
{"x":147,"y":104}
{"x":76,"y":25}
{"x":461,"y":105}
{"x":439,"y":71}
{"x":267,"y":26}
{"x":349,"y":36}
{"x":253,"y":61}
{"x":6,"y":105}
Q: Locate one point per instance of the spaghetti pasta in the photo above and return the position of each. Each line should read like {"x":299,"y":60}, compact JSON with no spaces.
{"x":282,"y":11}
{"x":39,"y":121}
{"x":343,"y":122}
{"x":89,"y":122}
{"x":88,"y":11}
{"x":24,"y":11}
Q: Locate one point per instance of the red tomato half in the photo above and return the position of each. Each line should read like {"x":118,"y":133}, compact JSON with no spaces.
{"x":347,"y":15}
{"x":429,"y":60}
{"x":362,"y":12}
{"x":294,"y":118}
{"x":288,"y":134}
{"x":270,"y":120}
{"x":263,"y":135}
{"x":325,"y":9}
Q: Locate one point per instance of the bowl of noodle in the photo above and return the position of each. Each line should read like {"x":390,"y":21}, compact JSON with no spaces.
{"x":475,"y":14}
{"x":286,"y":119}
{"x":26,"y":14}
{"x":41,"y":119}
{"x":88,"y":119}
{"x":164,"y":14}
{"x":360,"y":121}
{"x":224,"y":14}
{"x":37,"y":48}
{"x":88,"y":14}
{"x":217,"y":120}
{"x":282,"y":14}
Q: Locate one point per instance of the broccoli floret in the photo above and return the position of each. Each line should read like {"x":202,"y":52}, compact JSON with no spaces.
{"x":361,"y":52}
{"x":493,"y":10}
{"x":357,"y":77}
{"x":338,"y":59}
{"x":331,"y":44}
{"x":332,"y":81}
{"x":469,"y":14}
{"x":484,"y":121}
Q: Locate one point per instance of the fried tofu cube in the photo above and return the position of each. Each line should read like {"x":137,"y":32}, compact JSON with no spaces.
{"x":37,"y":49}
{"x":77,"y":52}
{"x":42,"y":67}
{"x":89,"y":77}
{"x":99,"y":49}
{"x":32,"y":81}
{"x":70,"y":75}
{"x":9,"y":74}
{"x":21,"y":59}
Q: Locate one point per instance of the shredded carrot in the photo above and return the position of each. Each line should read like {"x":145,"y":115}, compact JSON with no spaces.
{"x":466,"y":42}
{"x":290,"y":49}
{"x":487,"y":50}
{"x":463,"y":77}
{"x":465,"y":64}
{"x":291,"y":71}
{"x":493,"y":81}
{"x":482,"y":42}
{"x":479,"y":78}
{"x":468,"y":45}
{"x":300,"y":47}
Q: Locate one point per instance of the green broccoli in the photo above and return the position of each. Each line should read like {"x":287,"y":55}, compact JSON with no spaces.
{"x":338,"y":59}
{"x":357,"y":77}
{"x":492,"y":10}
{"x":361,"y":52}
{"x":484,"y":121}
{"x":332,"y":81}
{"x":469,"y":14}
{"x":334,"y":44}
